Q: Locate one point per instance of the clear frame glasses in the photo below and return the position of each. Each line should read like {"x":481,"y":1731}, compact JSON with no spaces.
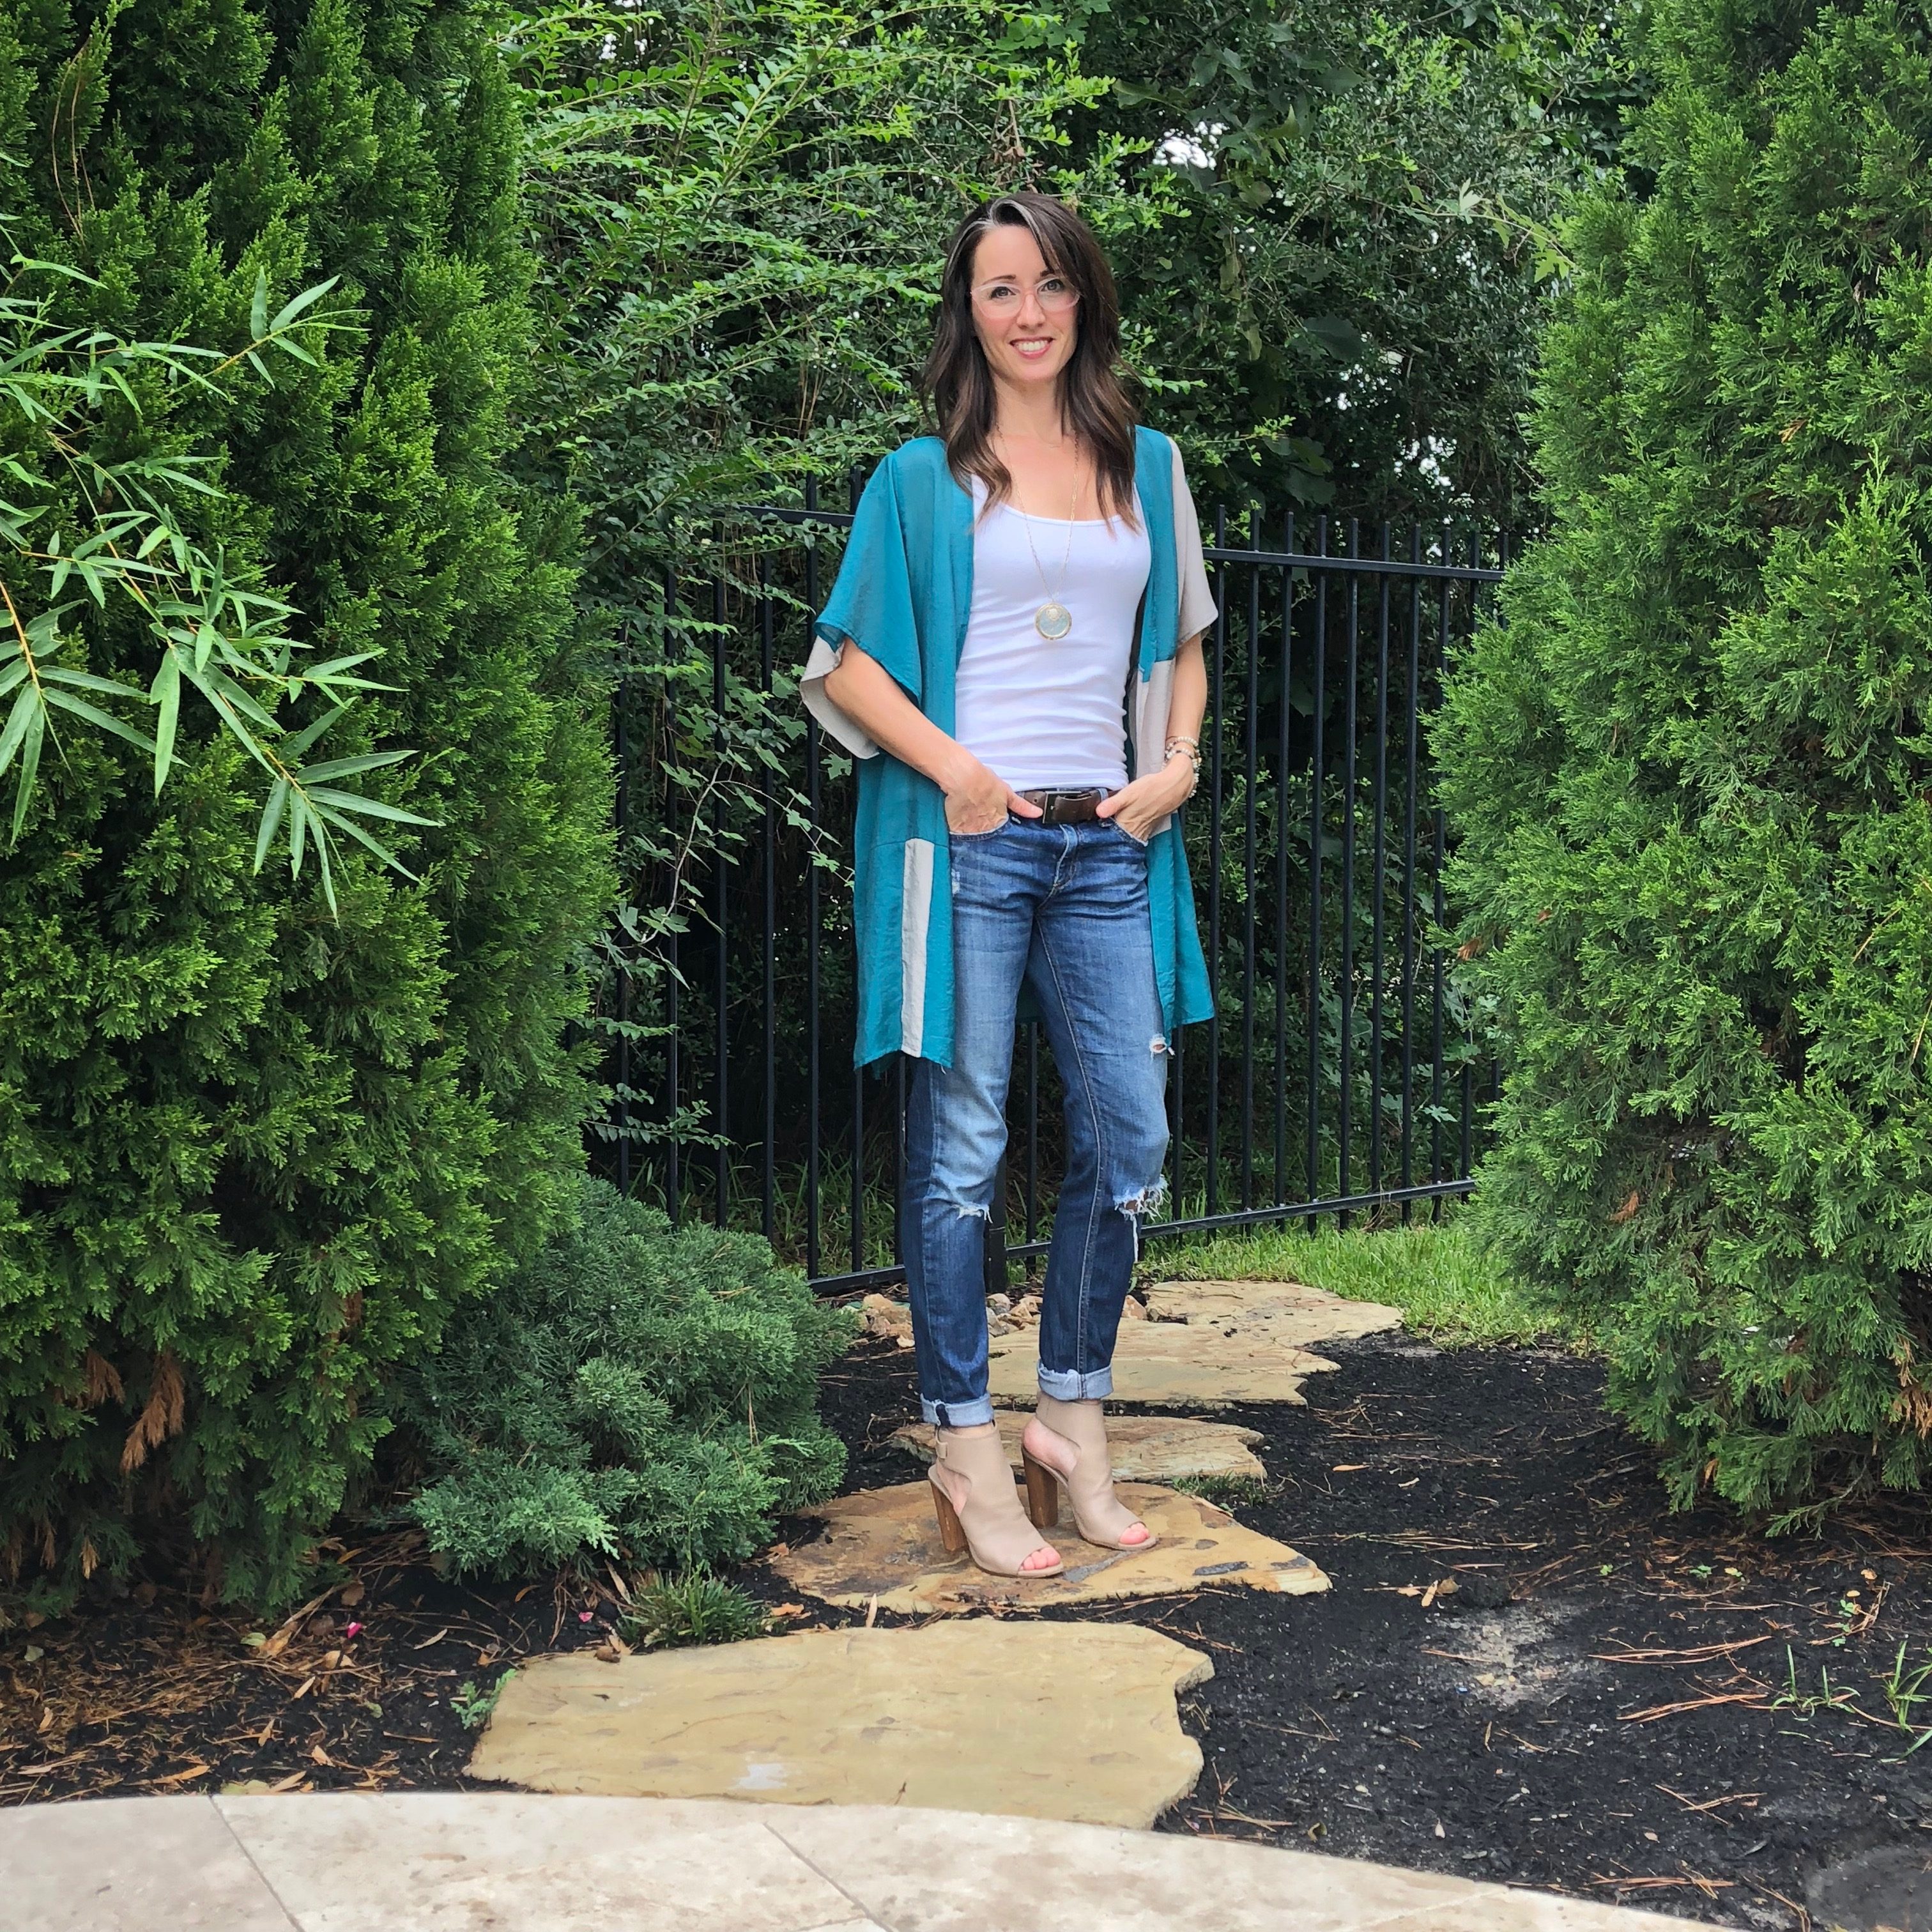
{"x":1003,"y":298}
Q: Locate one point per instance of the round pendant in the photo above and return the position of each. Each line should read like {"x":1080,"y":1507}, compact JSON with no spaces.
{"x":1053,"y":621}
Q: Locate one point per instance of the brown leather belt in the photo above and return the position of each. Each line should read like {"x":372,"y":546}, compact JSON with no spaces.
{"x":1064,"y":808}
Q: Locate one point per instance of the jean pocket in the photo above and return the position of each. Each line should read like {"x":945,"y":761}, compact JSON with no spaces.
{"x":1138,"y":844}
{"x":971,"y":837}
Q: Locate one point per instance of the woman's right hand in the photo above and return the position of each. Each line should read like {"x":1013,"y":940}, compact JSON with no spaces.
{"x":978,"y":800}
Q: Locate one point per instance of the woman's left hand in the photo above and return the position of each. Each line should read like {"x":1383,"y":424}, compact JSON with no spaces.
{"x":1141,"y":806}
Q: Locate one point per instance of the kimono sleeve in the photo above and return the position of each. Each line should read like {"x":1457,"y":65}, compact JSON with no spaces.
{"x":1197,"y":600}
{"x":871,"y":606}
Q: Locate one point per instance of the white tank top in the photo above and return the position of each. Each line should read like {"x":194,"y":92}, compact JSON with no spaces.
{"x":1042,"y":714}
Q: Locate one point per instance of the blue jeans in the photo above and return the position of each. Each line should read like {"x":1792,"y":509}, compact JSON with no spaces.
{"x":1064,"y":909}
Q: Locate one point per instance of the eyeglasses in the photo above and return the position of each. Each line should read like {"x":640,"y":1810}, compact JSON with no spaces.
{"x":1002,"y":299}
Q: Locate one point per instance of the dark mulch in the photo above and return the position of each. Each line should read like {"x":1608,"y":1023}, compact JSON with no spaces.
{"x":1601,"y":1706}
{"x":155,"y":1693}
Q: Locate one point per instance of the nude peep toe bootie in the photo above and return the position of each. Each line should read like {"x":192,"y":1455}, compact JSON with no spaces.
{"x":1066,"y":1442}
{"x":979,"y":1508}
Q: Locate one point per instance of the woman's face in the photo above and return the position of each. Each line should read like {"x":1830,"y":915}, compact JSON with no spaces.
{"x":1026,"y":316}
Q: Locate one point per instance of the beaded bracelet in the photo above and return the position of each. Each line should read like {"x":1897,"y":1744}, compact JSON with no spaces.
{"x":1192,"y":747}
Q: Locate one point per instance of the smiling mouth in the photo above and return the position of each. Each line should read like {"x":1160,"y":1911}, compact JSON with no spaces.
{"x":1033,"y":347}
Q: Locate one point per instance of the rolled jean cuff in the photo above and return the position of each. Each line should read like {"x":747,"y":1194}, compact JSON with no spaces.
{"x":957,"y":1414}
{"x":1070,"y":1385}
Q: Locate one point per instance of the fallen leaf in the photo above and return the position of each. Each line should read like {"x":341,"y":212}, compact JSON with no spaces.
{"x":180,"y":1777}
{"x":267,"y":1731}
{"x":330,"y":1658}
{"x":289,"y":1783}
{"x":789,"y":1610}
{"x":428,"y":1640}
{"x":32,"y":1654}
{"x":1344,"y":1469}
{"x":352,"y":1595}
{"x":302,"y":1689}
{"x":318,"y":1755}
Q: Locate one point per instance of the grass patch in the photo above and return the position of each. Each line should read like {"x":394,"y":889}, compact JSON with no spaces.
{"x":692,"y":1610}
{"x":1447,"y":1288}
{"x":1227,"y":1492}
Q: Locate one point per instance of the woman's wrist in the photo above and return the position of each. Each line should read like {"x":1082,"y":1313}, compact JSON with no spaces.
{"x":1182,"y":771}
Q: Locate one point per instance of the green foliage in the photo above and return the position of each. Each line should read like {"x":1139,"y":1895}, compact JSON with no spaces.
{"x":694,"y":1609}
{"x":1690,"y":772}
{"x":222,"y":638}
{"x":633,"y":1391}
{"x":474,"y":1707}
{"x":1346,"y":294}
{"x":252,"y":1155}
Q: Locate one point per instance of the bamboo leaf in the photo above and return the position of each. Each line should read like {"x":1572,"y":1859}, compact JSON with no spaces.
{"x":166,"y":692}
{"x":26,"y":707}
{"x":293,"y":748}
{"x":30,"y":764}
{"x":272,"y":819}
{"x":86,"y":680}
{"x":375,"y":845}
{"x":107,"y":721}
{"x":291,"y":309}
{"x":371,"y":808}
{"x":258,"y":310}
{"x":343,"y":768}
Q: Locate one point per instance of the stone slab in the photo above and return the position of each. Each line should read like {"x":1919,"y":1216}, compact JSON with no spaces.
{"x":1288,"y":1312}
{"x":129,"y":1865}
{"x":884,"y":1543}
{"x":925,"y":1871}
{"x":1178,"y":1364}
{"x":455,"y":1862}
{"x":1144,"y":1448}
{"x":699,"y":1865}
{"x":1073,"y":1721}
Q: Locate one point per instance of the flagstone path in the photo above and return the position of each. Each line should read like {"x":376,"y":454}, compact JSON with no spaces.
{"x":1064,"y":1720}
{"x":1036,"y":1721}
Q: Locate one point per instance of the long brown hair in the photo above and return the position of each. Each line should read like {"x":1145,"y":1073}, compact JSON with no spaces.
{"x":958,"y":386}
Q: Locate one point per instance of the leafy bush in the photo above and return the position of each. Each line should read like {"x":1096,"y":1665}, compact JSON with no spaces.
{"x":255,"y":1150}
{"x":634,"y":1391}
{"x":1692,"y":777}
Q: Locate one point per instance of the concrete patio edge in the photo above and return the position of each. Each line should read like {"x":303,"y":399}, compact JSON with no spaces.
{"x":439,"y":1861}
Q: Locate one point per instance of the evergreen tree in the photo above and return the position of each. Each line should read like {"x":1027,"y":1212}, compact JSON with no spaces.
{"x":254,"y":1151}
{"x":1691,"y":768}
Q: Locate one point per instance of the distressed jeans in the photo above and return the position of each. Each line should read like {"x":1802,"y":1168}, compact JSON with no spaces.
{"x":1063,"y":908}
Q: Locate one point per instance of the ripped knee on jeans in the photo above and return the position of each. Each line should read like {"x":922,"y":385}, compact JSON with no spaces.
{"x":1138,"y":1206}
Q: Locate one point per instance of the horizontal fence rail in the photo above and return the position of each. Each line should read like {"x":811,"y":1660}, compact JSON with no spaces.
{"x":1340,"y":1076}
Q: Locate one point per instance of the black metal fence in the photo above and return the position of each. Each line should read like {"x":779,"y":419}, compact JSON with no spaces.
{"x":1341,"y":1075}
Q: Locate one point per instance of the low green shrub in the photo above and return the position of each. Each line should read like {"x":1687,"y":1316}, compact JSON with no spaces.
{"x":637,"y":1391}
{"x":693,"y":1610}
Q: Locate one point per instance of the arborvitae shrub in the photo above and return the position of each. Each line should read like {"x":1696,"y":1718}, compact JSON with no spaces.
{"x":252,"y":1155}
{"x":1691,"y":767}
{"x":634,"y":1390}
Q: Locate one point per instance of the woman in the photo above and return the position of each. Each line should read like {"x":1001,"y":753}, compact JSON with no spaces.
{"x":1016,"y":627}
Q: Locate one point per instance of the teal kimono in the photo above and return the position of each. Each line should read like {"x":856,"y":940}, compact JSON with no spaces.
{"x":904,"y":595}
